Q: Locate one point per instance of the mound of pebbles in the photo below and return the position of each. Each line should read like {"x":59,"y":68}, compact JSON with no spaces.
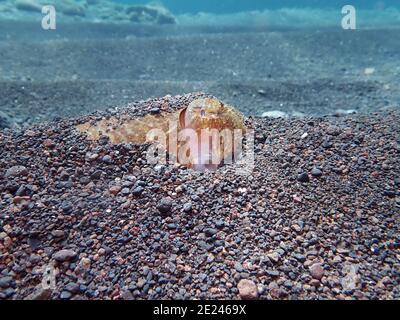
{"x":113,"y":227}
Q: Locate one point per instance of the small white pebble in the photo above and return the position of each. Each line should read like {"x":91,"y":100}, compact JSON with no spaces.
{"x":242,"y":190}
{"x":274,"y":114}
{"x":369,"y":71}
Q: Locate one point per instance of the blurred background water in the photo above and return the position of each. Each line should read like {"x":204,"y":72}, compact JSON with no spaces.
{"x":291,"y":56}
{"x":234,"y":6}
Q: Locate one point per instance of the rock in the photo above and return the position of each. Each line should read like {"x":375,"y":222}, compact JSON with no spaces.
{"x":220,"y":224}
{"x":137,"y":191}
{"x":72,"y":287}
{"x":48,"y":143}
{"x":299,"y":257}
{"x":5,"y":282}
{"x":209,"y":232}
{"x":65,"y":295}
{"x":369,"y":71}
{"x":58,"y":234}
{"x":165,"y":206}
{"x":274,"y":114}
{"x":115,"y":190}
{"x":247,"y":289}
{"x":343,"y":112}
{"x":16,"y":171}
{"x":316,"y":172}
{"x":107,"y":159}
{"x":187,"y":207}
{"x":239,"y":267}
{"x":303,"y":177}
{"x":127,"y":295}
{"x":96,"y":175}
{"x":155,"y":110}
{"x":317,"y":271}
{"x":125,"y":192}
{"x":65,"y":255}
{"x":85,"y":263}
{"x":315,"y":283}
{"x":274,"y":256}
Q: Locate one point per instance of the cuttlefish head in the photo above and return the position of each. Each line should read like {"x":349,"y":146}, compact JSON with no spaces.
{"x":211,"y":114}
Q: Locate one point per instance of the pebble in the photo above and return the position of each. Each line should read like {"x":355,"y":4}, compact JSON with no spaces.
{"x":16,"y":171}
{"x":247,"y":289}
{"x":274,"y":256}
{"x":115,"y":190}
{"x":5,"y":282}
{"x":72,"y":287}
{"x":316,"y":172}
{"x":299,"y":257}
{"x":274,"y":114}
{"x":317,"y":271}
{"x":187,"y":207}
{"x":48,"y":143}
{"x":303,"y":177}
{"x":137,"y":191}
{"x":65,"y":255}
{"x":127,"y":191}
{"x":210,"y":232}
{"x":58,"y":234}
{"x":165,"y":206}
{"x":65,"y":295}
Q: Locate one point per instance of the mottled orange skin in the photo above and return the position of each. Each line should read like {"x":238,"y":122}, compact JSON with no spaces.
{"x":198,"y":115}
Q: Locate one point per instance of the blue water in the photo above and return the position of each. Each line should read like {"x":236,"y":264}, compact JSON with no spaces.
{"x":233,"y":6}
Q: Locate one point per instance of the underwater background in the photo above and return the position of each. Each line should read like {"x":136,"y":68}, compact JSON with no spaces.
{"x":230,"y":6}
{"x":281,"y":58}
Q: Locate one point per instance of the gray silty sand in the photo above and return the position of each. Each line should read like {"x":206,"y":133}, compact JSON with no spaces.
{"x":300,"y":72}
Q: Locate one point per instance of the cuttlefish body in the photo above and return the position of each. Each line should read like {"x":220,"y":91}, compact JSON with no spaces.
{"x":203,"y":135}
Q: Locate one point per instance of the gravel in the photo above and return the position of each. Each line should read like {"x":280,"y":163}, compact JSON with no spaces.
{"x":264,"y":235}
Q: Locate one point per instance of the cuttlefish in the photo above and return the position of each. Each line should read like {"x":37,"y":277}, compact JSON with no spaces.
{"x":203,"y":135}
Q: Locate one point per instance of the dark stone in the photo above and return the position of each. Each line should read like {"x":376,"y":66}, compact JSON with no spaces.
{"x":137,"y":191}
{"x":72,"y":287}
{"x":299,"y":257}
{"x":219,"y":224}
{"x":239,"y":267}
{"x":210,"y":232}
{"x":303,"y":177}
{"x":316,"y":172}
{"x":65,"y":255}
{"x":187,"y":207}
{"x":272,"y":273}
{"x":155,"y":110}
{"x":96,"y":175}
{"x":5,"y":282}
{"x":107,"y":159}
{"x":16,"y":171}
{"x":66,"y":206}
{"x":125,"y":191}
{"x":165,"y":206}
